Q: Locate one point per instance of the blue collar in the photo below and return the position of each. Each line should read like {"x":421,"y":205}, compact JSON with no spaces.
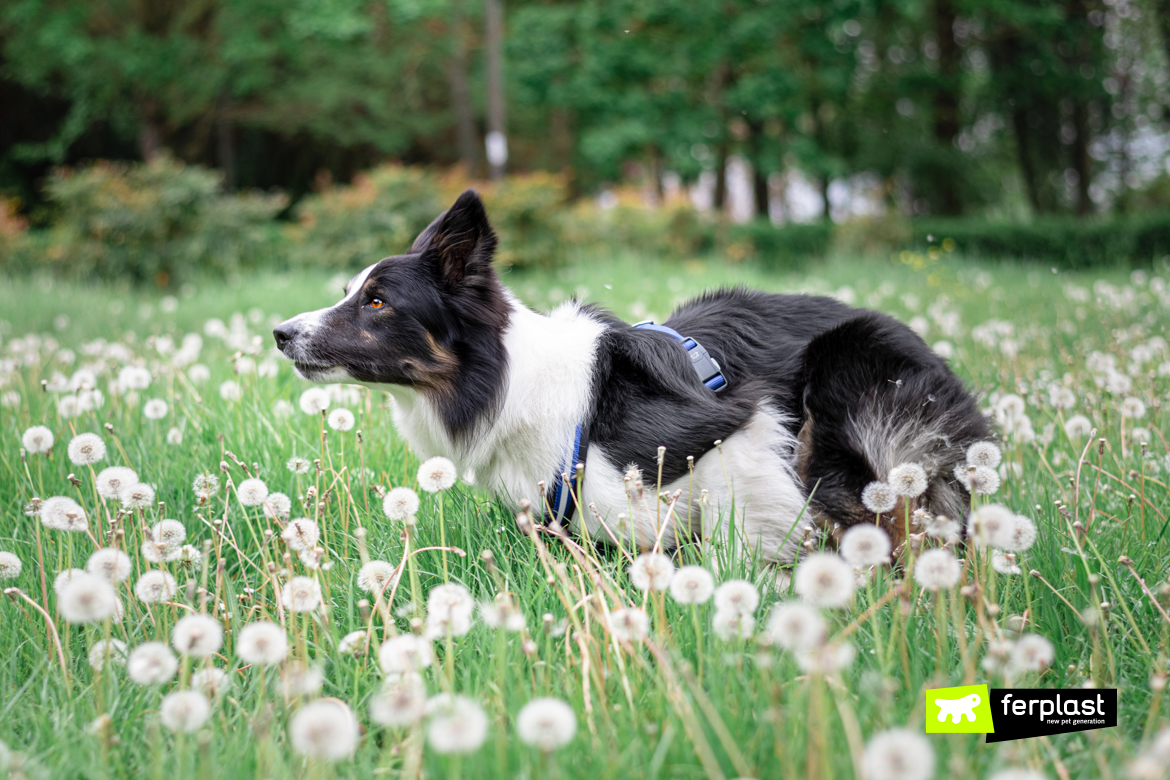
{"x":709,"y":371}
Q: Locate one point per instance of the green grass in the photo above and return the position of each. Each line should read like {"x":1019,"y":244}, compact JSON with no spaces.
{"x":642,"y":711}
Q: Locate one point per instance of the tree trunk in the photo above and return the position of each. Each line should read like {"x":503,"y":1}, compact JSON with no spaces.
{"x":149,"y":132}
{"x":946,"y":105}
{"x":1027,"y":167}
{"x":720,"y":201}
{"x":759,"y":174}
{"x":460,"y":95}
{"x":826,"y":206}
{"x":497,"y":140}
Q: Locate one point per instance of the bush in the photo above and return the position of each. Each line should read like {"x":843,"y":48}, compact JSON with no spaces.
{"x":153,"y":221}
{"x":528,"y":212}
{"x":780,"y":247}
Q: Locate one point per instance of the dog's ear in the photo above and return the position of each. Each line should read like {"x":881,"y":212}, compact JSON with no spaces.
{"x":460,"y":243}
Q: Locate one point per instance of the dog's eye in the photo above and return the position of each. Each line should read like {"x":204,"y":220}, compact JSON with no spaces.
{"x":376,"y":303}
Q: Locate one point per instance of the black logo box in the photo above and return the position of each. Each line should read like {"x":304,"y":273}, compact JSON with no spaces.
{"x":1020,"y":713}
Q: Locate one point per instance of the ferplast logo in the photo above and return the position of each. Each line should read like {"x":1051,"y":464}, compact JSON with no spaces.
{"x":965,"y":709}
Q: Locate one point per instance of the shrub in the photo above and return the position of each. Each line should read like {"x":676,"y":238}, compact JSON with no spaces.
{"x":782,"y":246}
{"x":528,"y":212}
{"x":153,"y":221}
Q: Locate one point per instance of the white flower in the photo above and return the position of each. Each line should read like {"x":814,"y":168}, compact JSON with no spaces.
{"x":458,"y":724}
{"x":314,"y":400}
{"x":376,"y":577}
{"x":112,"y":479}
{"x":299,"y":680}
{"x":199,"y":373}
{"x":10,"y":566}
{"x":942,"y":527}
{"x":992,"y":525}
{"x":400,"y":503}
{"x":826,"y":659}
{"x":405,"y":653}
{"x":1011,"y":406}
{"x":184,"y":711}
{"x":155,"y":586}
{"x":211,"y":682}
{"x":980,"y":480}
{"x":151,"y":663}
{"x":230,"y":391}
{"x":436,"y":474}
{"x":907,"y":479}
{"x":137,"y":496}
{"x":37,"y":440}
{"x":629,"y":624}
{"x":282,"y":408}
{"x":168,"y":534}
{"x":1023,"y":535}
{"x":1133,"y":408}
{"x":324,"y":729}
{"x":795,"y":626}
{"x":546,"y":724}
{"x":301,"y":594}
{"x":61,"y":513}
{"x":692,"y":585}
{"x":106,"y":651}
{"x":63,"y":578}
{"x":937,"y":569}
{"x":197,"y":636}
{"x":134,"y":378}
{"x":983,"y":453}
{"x":109,"y":563}
{"x":737,"y":596}
{"x":252,"y":492}
{"x":825,"y":580}
{"x":86,"y":449}
{"x":651,"y":571}
{"x":1031,"y":653}
{"x":86,"y":599}
{"x":353,"y":643}
{"x":502,"y":613}
{"x":277,"y":506}
{"x":865,"y":545}
{"x":340,"y":419}
{"x":205,"y":486}
{"x":1002,"y":563}
{"x":450,"y":603}
{"x":879,"y":498}
{"x":401,"y":700}
{"x":301,"y":534}
{"x":174,"y":436}
{"x":898,"y":754}
{"x":730,"y":624}
{"x":298,"y":465}
{"x":154,"y":409}
{"x":1061,"y":397}
{"x":187,"y":556}
{"x":262,"y":643}
{"x":1078,"y":426}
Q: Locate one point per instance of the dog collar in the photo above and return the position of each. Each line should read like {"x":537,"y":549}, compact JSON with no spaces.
{"x":563,"y":501}
{"x":709,"y":371}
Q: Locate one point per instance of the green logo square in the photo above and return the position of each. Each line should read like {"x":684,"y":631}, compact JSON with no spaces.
{"x":962,"y":710}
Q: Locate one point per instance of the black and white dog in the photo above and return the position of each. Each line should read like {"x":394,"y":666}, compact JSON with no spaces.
{"x":819,"y":398}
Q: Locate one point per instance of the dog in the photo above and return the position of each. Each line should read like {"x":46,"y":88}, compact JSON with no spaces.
{"x":811,"y":400}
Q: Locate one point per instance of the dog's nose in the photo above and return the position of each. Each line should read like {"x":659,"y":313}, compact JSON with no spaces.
{"x":284,"y":334}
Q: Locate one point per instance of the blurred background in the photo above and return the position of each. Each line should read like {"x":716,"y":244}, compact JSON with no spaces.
{"x":153,"y":139}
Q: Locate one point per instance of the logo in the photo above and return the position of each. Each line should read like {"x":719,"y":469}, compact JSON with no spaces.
{"x":1018,"y":713}
{"x":962,"y":710}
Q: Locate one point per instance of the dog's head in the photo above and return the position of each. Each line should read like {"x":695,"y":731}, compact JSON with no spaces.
{"x":426,"y":319}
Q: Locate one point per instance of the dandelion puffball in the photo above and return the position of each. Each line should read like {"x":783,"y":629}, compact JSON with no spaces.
{"x":151,"y":663}
{"x":1031,"y":653}
{"x":277,"y":506}
{"x":155,"y":586}
{"x":436,"y":474}
{"x":458,"y":724}
{"x":405,"y":653}
{"x":109,"y":563}
{"x":197,"y":636}
{"x":737,"y":596}
{"x":879,"y":498}
{"x":61,"y":513}
{"x":301,"y":534}
{"x":298,"y":465}
{"x":10,"y":566}
{"x":262,"y":643}
{"x":37,"y":440}
{"x":907,"y":479}
{"x":983,"y":453}
{"x":112,"y":479}
{"x":825,"y":580}
{"x":629,"y":624}
{"x":154,"y":409}
{"x":137,"y":496}
{"x":184,"y":711}
{"x":205,"y":486}
{"x":86,"y":599}
{"x":252,"y":492}
{"x":937,"y":569}
{"x":865,"y":545}
{"x":340,"y":419}
{"x":400,"y":503}
{"x":106,"y":651}
{"x":400,"y":702}
{"x":86,"y":449}
{"x":375,"y":577}
{"x":301,"y":594}
{"x":651,"y":571}
{"x":546,"y":724}
{"x":795,"y":626}
{"x":211,"y":682}
{"x":992,"y":525}
{"x":730,"y":625}
{"x":692,"y":585}
{"x":325,"y":729}
{"x":314,"y":400}
{"x":898,"y":754}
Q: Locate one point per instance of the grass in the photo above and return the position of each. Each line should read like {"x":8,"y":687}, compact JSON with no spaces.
{"x":683,"y":704}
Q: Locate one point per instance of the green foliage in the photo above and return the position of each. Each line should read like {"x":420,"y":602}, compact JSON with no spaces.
{"x":780,"y":248}
{"x":153,"y":221}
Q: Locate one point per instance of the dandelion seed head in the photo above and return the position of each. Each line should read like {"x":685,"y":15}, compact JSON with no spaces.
{"x":879,"y":498}
{"x":262,"y":643}
{"x":133,"y":378}
{"x":692,"y":585}
{"x":87,"y":599}
{"x":37,"y":440}
{"x":737,"y":596}
{"x":154,"y":409}
{"x":400,"y":503}
{"x":86,"y":449}
{"x":1061,"y":397}
{"x":992,"y":525}
{"x":376,"y":577}
{"x":168,"y":533}
{"x":184,"y":711}
{"x":106,"y":651}
{"x":301,"y":534}
{"x":651,"y":571}
{"x":502,"y":613}
{"x":301,"y":594}
{"x":824,"y":580}
{"x":325,"y":729}
{"x":436,"y":474}
{"x":826,"y":659}
{"x":405,"y":653}
{"x":61,"y":513}
{"x":401,"y":700}
{"x":898,"y":754}
{"x":458,"y":724}
{"x":1005,"y":563}
{"x":298,"y":465}
{"x":175,"y":436}
{"x":795,"y":626}
{"x":980,"y":480}
{"x":731,"y":625}
{"x":314,"y":400}
{"x":1078,"y":426}
{"x":298,"y":679}
{"x":1023,"y":535}
{"x":211,"y":682}
{"x":546,"y":724}
{"x":1031,"y":653}
{"x":155,"y":586}
{"x":1133,"y":408}
{"x":252,"y":492}
{"x":865,"y":545}
{"x":10,"y":566}
{"x":449,"y":600}
{"x":197,"y":636}
{"x":230,"y":391}
{"x":984,"y":453}
{"x":63,"y":578}
{"x":907,"y":479}
{"x":187,"y":556}
{"x":137,"y":496}
{"x":353,"y":643}
{"x":151,"y":663}
{"x":277,"y":506}
{"x":340,"y":419}
{"x":937,"y":569}
{"x":205,"y":486}
{"x":629,"y":624}
{"x":110,"y":564}
{"x":112,"y":479}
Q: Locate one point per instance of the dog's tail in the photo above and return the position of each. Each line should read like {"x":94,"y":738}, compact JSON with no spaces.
{"x":876,"y":396}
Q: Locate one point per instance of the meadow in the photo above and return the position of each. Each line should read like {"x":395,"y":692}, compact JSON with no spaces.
{"x":281,"y":607}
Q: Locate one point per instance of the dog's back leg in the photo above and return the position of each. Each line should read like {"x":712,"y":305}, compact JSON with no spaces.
{"x":875,"y":396}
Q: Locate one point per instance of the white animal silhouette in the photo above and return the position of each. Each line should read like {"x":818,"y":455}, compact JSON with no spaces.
{"x":957,"y":708}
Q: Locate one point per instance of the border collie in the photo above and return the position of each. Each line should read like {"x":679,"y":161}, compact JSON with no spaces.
{"x":818,"y":399}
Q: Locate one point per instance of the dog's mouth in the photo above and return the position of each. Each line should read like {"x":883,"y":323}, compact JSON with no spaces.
{"x":315,"y":371}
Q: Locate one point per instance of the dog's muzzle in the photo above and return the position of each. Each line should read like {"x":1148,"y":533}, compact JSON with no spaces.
{"x":285,"y":334}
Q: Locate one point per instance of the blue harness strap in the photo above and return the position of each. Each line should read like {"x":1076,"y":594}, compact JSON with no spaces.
{"x":709,"y":371}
